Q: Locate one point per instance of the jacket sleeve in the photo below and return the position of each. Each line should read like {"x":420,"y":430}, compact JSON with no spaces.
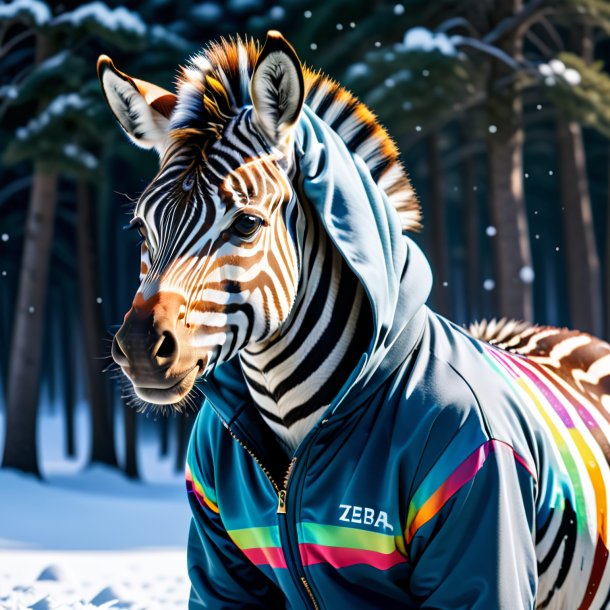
{"x":470,"y":532}
{"x":221,"y":576}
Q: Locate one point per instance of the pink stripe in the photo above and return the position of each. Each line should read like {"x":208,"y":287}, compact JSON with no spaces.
{"x":340,"y":557}
{"x":272,"y":556}
{"x":463,"y":474}
{"x":518,"y":458}
{"x":466,"y":471}
{"x":473,"y":463}
{"x":548,"y":394}
{"x":503,"y":362}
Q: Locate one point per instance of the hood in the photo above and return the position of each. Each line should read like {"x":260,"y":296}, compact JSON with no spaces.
{"x":367,"y":232}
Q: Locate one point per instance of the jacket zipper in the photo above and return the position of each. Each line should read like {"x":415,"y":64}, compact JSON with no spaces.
{"x":310,"y":593}
{"x":281,"y":510}
{"x":281,"y":493}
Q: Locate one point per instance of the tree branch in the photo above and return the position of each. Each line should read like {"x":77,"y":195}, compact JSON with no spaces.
{"x":522,"y":20}
{"x":13,"y":42}
{"x":456,"y":22}
{"x":488,"y":49}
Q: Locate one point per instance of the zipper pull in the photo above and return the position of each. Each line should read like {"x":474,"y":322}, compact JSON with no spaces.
{"x":281,"y":505}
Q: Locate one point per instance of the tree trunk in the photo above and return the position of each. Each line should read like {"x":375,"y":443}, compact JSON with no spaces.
{"x":131,"y":445}
{"x":584,"y":274}
{"x":606,"y":335}
{"x":581,"y":251}
{"x":67,"y":370}
{"x":471,"y":230}
{"x":438,"y":226}
{"x":512,"y":254}
{"x":20,"y":450}
{"x":102,"y":429}
{"x":183,"y":430}
{"x":164,"y":436}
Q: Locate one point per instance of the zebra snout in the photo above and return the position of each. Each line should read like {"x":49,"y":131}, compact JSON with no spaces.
{"x":146,"y":349}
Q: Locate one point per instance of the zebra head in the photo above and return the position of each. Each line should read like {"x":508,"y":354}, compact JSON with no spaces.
{"x":220,"y":259}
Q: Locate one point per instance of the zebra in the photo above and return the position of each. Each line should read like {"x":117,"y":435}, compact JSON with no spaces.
{"x":237,"y":265}
{"x":275,"y":328}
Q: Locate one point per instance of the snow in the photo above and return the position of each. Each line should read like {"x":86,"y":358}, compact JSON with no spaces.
{"x":82,"y":156}
{"x":116,"y":20}
{"x":556,"y":68}
{"x":57,"y":107}
{"x":97,"y":508}
{"x":5,"y":237}
{"x":572,"y":77}
{"x":38,"y":12}
{"x":422,"y":39}
{"x":244,"y":6}
{"x":207,"y":11}
{"x":526,"y":275}
{"x":277,"y":13}
{"x":55,"y":61}
{"x":489,"y":284}
{"x":491,"y":231}
{"x":134,"y":580}
{"x":85,"y":536}
{"x":358,"y":70}
{"x":9,"y":91}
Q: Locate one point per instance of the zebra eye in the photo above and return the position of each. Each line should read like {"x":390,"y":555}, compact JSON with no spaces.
{"x":139,"y":226}
{"x":246,"y":225}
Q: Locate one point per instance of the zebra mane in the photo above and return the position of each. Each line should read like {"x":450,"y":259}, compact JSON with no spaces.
{"x":214,"y":86}
{"x":504,"y":333}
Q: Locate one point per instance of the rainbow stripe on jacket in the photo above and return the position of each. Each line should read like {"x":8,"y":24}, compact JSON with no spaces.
{"x":481,"y":476}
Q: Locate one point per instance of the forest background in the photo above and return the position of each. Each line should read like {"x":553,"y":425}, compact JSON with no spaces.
{"x":501,"y":109}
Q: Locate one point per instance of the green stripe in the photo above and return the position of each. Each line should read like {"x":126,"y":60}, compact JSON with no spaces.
{"x":256,"y":537}
{"x":564,"y":451}
{"x":346,"y":537}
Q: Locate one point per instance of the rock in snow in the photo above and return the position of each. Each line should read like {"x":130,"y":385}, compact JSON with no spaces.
{"x":42,"y":604}
{"x":106,"y":595}
{"x":53,"y":572}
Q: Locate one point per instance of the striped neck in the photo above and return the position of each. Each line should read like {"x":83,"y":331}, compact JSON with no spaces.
{"x":294,"y":376}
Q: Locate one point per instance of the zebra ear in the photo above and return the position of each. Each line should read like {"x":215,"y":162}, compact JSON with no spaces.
{"x":277,"y":89}
{"x":142,"y":109}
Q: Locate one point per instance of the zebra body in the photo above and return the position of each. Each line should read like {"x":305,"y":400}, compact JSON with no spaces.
{"x":236,"y":262}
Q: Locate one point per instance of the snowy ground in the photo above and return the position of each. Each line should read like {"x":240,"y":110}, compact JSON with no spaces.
{"x":88,"y":537}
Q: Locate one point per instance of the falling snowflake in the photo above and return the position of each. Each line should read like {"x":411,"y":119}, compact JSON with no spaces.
{"x":526,"y":274}
{"x":4,"y":236}
{"x":489,"y":284}
{"x":491,"y":231}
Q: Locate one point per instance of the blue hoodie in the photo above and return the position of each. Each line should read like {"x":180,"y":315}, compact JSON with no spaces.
{"x":427,"y":480}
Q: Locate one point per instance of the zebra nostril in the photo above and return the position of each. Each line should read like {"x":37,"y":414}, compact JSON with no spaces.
{"x":167,"y":347}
